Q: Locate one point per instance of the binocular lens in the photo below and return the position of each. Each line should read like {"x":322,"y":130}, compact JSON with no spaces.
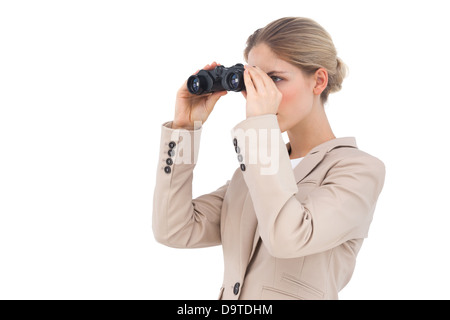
{"x":234,"y":81}
{"x":195,"y":85}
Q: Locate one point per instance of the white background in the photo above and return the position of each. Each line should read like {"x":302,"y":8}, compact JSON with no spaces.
{"x":86,"y":85}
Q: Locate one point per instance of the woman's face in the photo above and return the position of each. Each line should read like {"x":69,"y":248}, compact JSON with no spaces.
{"x":297,"y":89}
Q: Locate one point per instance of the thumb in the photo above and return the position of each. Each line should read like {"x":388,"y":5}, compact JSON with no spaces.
{"x":216,"y":96}
{"x":244,"y":93}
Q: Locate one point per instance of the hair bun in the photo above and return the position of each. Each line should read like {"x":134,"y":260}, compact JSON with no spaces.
{"x":335,"y":80}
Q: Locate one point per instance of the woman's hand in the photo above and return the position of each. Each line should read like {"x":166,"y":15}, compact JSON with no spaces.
{"x":190,"y":108}
{"x":262,"y":94}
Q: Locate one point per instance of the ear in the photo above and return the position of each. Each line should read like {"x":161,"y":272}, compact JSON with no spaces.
{"x":321,"y":80}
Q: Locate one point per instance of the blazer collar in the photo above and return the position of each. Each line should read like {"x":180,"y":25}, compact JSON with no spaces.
{"x":315,"y":156}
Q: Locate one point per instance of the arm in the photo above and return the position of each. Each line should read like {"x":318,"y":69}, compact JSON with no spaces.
{"x":338,"y":210}
{"x":178,"y":220}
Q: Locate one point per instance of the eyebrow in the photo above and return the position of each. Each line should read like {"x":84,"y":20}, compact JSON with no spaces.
{"x":275,"y":71}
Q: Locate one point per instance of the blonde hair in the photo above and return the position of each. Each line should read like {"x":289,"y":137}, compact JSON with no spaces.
{"x":305,"y":44}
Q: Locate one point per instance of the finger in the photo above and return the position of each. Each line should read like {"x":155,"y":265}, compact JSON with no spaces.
{"x":249,"y":87}
{"x":244,"y":93}
{"x":216,"y":95}
{"x":211,"y":66}
{"x":257,"y":79}
{"x":207,"y":67}
{"x":213,"y":98}
{"x":269,"y":84}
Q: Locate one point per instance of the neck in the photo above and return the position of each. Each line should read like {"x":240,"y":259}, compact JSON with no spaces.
{"x":309,"y":133}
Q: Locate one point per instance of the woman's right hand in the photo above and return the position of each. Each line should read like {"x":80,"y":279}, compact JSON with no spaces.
{"x":190,"y":108}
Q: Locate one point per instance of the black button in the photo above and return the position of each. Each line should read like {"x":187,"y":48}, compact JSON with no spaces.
{"x":236,"y":288}
{"x":169,"y":161}
{"x":172,"y":144}
{"x":235,"y":142}
{"x":171,"y":153}
{"x":240,"y":157}
{"x":237,"y":149}
{"x":242,"y":167}
{"x":167,"y":169}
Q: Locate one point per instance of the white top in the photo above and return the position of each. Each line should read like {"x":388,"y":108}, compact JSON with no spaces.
{"x":295,"y":162}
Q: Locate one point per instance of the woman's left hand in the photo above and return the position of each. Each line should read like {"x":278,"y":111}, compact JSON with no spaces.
{"x":262,"y":94}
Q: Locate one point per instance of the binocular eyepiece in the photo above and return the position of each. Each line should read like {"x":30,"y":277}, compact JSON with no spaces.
{"x":218,"y":79}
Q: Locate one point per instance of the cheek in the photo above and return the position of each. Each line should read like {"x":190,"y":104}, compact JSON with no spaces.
{"x":293,"y":99}
{"x":289,"y":96}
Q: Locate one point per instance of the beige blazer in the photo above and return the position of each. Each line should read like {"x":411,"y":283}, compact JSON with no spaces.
{"x":286,"y":233}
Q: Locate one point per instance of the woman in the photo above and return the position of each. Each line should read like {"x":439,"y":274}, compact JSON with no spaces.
{"x":291,"y":225}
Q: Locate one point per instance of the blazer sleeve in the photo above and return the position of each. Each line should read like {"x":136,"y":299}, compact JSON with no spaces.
{"x":178,"y":220}
{"x":340,"y":209}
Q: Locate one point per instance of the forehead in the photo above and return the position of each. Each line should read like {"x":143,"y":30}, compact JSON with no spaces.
{"x":262,"y":56}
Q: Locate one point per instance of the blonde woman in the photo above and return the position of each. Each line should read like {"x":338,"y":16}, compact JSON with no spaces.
{"x":292,"y":218}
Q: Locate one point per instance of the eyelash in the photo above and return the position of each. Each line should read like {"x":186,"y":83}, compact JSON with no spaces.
{"x":276,"y":78}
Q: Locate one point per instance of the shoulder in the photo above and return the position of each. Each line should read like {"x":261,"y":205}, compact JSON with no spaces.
{"x":355,"y":163}
{"x":348,"y":155}
{"x":344,"y":152}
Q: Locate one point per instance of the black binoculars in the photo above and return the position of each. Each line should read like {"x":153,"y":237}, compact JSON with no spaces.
{"x":218,"y":79}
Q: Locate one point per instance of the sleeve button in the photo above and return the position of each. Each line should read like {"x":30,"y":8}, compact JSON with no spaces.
{"x":236,"y":288}
{"x":169,"y":161}
{"x":172,"y":144}
{"x":167,"y":169}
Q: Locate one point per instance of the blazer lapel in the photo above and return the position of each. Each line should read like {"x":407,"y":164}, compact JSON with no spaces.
{"x":309,"y":162}
{"x":315,"y":156}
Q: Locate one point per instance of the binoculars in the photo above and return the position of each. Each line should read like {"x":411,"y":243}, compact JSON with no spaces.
{"x":218,"y":79}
